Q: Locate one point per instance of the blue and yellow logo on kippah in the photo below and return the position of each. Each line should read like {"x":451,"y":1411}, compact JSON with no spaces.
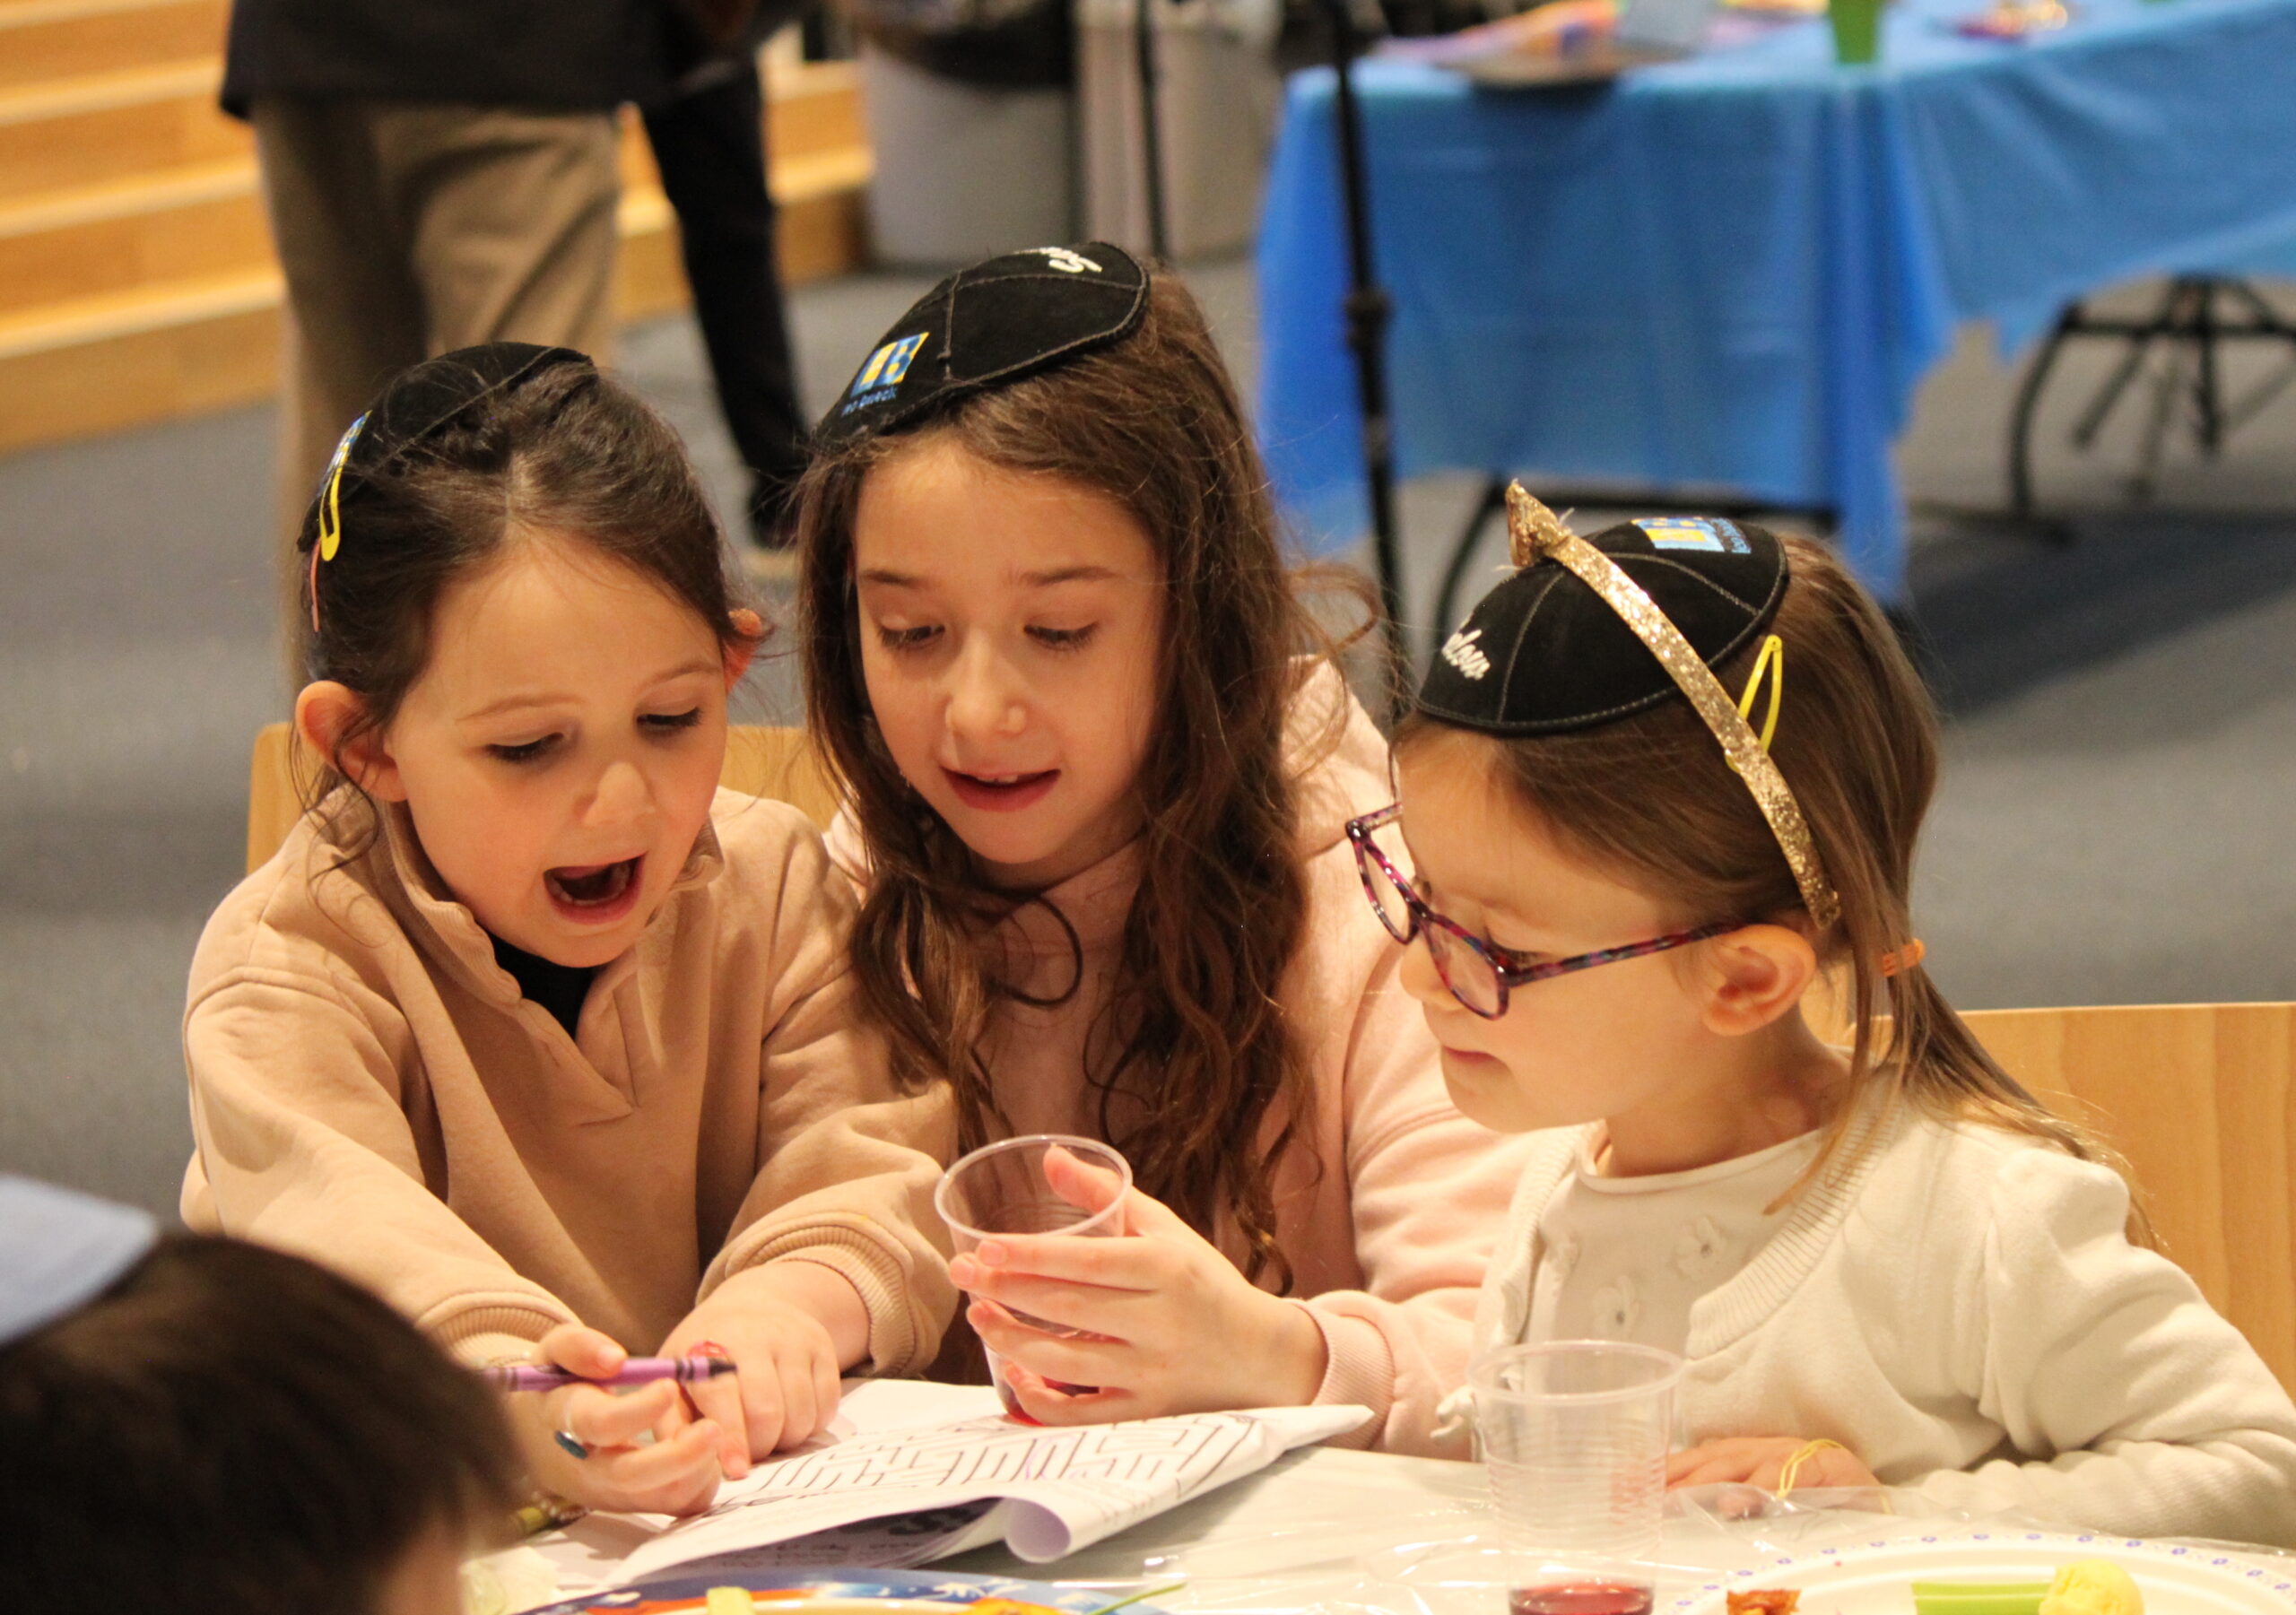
{"x":1708,"y":532}
{"x":890,"y":363}
{"x":883,"y":372}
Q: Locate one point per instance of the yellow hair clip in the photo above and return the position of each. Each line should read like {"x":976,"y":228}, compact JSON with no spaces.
{"x":331,"y":500}
{"x":1772,"y":661}
{"x":330,"y":538}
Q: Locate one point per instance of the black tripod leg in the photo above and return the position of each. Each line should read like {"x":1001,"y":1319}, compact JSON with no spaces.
{"x":2021,"y":419}
{"x":1493,"y":501}
{"x":1152,"y":131}
{"x":1367,"y":309}
{"x":2166,"y":320}
{"x":2207,"y":386}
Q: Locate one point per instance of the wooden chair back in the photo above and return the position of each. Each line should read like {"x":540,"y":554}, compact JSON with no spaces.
{"x":2198,"y":1099}
{"x":775,"y":762}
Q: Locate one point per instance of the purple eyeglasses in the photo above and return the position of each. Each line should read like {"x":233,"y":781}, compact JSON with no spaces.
{"x":1479,"y":973}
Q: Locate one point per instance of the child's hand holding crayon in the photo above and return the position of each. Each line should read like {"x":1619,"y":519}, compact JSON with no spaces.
{"x":1171,"y":1325}
{"x":677,"y":1472}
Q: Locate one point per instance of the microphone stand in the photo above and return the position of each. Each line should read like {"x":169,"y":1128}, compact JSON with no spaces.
{"x":1368,"y":309}
{"x":1151,"y":145}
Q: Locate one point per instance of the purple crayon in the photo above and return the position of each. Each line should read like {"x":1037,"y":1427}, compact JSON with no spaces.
{"x":637,"y":1371}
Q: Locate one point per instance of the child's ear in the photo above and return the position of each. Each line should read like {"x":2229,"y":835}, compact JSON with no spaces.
{"x":1758,"y":974}
{"x":327,"y":717}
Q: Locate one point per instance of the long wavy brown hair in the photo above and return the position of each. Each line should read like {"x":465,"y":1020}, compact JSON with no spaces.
{"x":1195,"y":1043}
{"x":1652,"y":797}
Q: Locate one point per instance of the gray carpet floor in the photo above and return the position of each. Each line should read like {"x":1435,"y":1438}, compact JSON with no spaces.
{"x":2121,"y":750}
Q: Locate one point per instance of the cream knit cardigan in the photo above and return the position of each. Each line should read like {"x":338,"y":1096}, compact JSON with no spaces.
{"x":1958,"y":1306}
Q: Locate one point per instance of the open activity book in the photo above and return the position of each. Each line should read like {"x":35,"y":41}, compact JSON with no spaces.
{"x":913,"y":1473}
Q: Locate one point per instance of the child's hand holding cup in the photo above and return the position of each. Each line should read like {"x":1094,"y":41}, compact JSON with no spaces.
{"x":1002,"y":1188}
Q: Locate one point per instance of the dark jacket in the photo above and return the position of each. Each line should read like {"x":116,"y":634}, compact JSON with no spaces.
{"x":563,"y":55}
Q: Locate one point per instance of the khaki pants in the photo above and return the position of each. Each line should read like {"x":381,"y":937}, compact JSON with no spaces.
{"x":406,"y":231}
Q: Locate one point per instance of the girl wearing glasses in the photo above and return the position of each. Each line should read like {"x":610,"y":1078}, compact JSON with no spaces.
{"x":1098,"y":778}
{"x":1627,"y":842}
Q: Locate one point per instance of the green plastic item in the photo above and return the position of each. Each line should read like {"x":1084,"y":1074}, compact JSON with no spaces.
{"x":1978,"y":1597}
{"x":1856,"y":30}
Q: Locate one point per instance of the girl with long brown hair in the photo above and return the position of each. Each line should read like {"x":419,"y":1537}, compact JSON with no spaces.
{"x":1658,"y":780}
{"x":1096,"y":774}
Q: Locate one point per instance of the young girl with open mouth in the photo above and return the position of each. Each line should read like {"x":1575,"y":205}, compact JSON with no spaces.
{"x":529,"y":1025}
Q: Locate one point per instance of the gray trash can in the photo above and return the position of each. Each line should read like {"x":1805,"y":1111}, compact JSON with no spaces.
{"x":1217,"y":97}
{"x":971,"y":114}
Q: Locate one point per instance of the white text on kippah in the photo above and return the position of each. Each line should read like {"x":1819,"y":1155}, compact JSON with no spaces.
{"x":1460,"y":650}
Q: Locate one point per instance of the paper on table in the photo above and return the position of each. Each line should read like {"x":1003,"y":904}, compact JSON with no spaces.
{"x":1045,"y":1492}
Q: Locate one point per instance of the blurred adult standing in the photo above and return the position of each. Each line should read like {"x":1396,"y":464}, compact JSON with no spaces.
{"x":707,"y":134}
{"x":439,"y":173}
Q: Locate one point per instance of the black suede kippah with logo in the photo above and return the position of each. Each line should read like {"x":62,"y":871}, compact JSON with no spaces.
{"x":424,"y":398}
{"x":1543,"y":653}
{"x":991,"y":323}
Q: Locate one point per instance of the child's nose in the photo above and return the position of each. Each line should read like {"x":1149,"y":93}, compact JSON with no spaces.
{"x":1418,"y":975}
{"x":622,"y":794}
{"x":985,"y":699}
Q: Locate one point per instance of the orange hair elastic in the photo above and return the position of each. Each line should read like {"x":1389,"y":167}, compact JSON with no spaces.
{"x":1898,"y":962}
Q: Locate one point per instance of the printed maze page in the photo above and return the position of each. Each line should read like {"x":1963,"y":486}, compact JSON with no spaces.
{"x":927,"y":1492}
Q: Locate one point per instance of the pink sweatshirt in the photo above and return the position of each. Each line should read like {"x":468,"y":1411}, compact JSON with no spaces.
{"x":369,"y":1088}
{"x":1389,"y":1241}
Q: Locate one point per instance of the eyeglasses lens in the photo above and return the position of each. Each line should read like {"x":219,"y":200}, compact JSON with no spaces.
{"x":1472,"y":978}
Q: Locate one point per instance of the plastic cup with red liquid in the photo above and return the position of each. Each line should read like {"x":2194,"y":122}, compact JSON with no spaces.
{"x":1001,"y":1189}
{"x":1575,"y":1435}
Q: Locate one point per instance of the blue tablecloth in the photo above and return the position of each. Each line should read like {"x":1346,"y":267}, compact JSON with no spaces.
{"x":1735,"y":269}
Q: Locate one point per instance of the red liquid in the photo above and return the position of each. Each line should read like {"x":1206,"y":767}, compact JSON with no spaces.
{"x":1581,"y":1598}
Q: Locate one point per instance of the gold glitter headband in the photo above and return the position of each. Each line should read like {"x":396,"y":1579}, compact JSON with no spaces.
{"x":1535,"y":532}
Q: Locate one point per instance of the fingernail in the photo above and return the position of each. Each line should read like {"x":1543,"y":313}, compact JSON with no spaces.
{"x":994,"y":1253}
{"x":963,"y":1271}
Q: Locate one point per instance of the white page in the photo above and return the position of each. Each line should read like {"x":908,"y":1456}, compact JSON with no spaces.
{"x":1055,"y":1491}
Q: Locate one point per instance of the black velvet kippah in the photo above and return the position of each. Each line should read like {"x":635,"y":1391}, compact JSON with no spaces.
{"x":424,"y":398}
{"x":994,"y":322}
{"x":1543,"y":653}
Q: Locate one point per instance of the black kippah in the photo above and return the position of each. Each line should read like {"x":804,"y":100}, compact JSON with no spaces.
{"x":1543,"y":653}
{"x":994,"y":322}
{"x":424,"y":398}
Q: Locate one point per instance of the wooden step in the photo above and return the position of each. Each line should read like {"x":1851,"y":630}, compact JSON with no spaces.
{"x":198,"y":220}
{"x":101,"y":363}
{"x":114,"y":126}
{"x":46,"y":40}
{"x":129,"y":299}
{"x":117,"y":125}
{"x":193,"y":222}
{"x":814,"y":108}
{"x":820,"y":231}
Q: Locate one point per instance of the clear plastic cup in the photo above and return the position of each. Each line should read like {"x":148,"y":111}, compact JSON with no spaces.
{"x":1001,"y":1189}
{"x":1575,"y":1435}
